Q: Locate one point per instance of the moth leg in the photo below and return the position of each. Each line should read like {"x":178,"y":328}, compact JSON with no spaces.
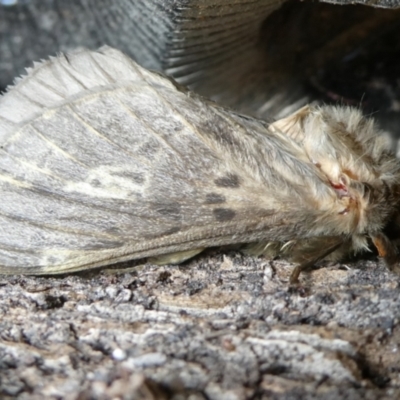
{"x":127,"y":270}
{"x":175,"y":258}
{"x":294,"y":277}
{"x":266,"y":249}
{"x":386,"y":249}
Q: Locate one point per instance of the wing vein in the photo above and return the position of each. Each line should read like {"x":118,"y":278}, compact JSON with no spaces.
{"x":58,"y":148}
{"x":153,"y":131}
{"x":188,"y":124}
{"x":68,"y":72}
{"x":96,"y":132}
{"x":57,"y":228}
{"x":109,"y":78}
{"x":35,"y":167}
{"x":85,"y":202}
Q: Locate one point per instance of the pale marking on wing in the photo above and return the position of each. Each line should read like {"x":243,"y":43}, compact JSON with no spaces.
{"x":28,"y":185}
{"x":69,"y":200}
{"x":155,"y":133}
{"x":65,"y":260}
{"x":15,"y":182}
{"x":114,"y":186}
{"x":61,"y":258}
{"x":32,"y":187}
{"x":131,"y":248}
{"x":58,"y":229}
{"x":78,"y":117}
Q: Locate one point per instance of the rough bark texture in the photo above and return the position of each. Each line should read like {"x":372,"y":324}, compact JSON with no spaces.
{"x":220,"y":327}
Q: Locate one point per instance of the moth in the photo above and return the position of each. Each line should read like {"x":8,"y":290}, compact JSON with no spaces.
{"x":102,"y":161}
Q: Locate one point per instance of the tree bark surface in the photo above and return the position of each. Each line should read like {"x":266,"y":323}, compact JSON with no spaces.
{"x":223,"y":326}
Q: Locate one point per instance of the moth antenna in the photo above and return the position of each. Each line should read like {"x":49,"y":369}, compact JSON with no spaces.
{"x":386,"y":249}
{"x":287,"y":244}
{"x":267,"y":246}
{"x":361,"y":101}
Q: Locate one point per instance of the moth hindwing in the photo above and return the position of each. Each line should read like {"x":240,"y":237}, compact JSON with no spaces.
{"x":103,"y":161}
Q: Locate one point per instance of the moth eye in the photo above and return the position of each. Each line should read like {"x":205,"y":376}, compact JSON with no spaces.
{"x":341,"y":187}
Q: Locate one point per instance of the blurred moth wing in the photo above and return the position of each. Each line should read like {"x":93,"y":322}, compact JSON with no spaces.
{"x":102,"y":161}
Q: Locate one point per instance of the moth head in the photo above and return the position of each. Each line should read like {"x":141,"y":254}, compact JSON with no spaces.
{"x":356,"y":158}
{"x":340,"y":141}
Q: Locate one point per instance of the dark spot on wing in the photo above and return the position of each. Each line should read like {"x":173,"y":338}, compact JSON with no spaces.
{"x":52,"y":260}
{"x":167,"y":232}
{"x":171,"y":231}
{"x":172,"y":210}
{"x":214,"y":198}
{"x":228,"y":181}
{"x":224,"y":214}
{"x":102,"y":244}
{"x":95,"y":183}
{"x":149,"y":149}
{"x":178,"y":127}
{"x":136,"y":177}
{"x":114,"y":230}
{"x":220,"y":129}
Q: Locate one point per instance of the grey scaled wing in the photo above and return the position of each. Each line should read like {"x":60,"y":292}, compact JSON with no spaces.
{"x":102,"y":161}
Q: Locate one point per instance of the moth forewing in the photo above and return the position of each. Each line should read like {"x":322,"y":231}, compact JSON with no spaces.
{"x":112,"y":162}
